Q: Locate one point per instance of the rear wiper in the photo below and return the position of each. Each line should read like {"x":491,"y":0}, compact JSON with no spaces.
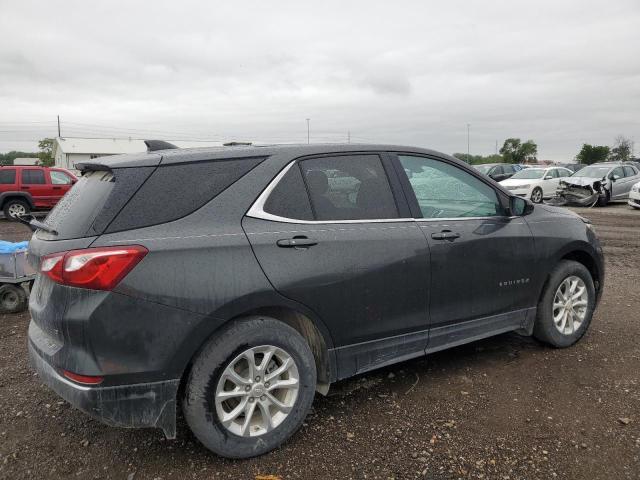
{"x":31,"y":222}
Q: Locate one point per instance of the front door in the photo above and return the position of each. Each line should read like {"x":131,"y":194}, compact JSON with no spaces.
{"x":330,"y":236}
{"x":481,"y":259}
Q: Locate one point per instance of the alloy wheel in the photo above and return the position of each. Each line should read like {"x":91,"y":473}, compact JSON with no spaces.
{"x":17,"y":210}
{"x":570,"y":305}
{"x":257,"y":391}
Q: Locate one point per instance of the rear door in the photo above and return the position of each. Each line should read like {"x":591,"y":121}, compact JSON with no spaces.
{"x":481,"y":259}
{"x":34,"y":181}
{"x":333,"y":233}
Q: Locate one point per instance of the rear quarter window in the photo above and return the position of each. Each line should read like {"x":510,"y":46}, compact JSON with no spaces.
{"x":174,"y":191}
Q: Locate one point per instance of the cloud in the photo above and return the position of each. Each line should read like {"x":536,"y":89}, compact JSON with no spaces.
{"x":561,"y":73}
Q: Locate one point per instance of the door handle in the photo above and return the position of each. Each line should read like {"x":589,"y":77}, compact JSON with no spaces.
{"x":445,"y":235}
{"x":297,"y":242}
{"x":57,"y":188}
{"x":25,"y":188}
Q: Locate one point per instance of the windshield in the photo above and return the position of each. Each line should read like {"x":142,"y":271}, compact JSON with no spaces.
{"x":529,"y":173}
{"x":483,"y":168}
{"x":592,"y":172}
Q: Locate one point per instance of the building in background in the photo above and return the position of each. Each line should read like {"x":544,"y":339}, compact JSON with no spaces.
{"x":69,"y":151}
{"x":26,"y":161}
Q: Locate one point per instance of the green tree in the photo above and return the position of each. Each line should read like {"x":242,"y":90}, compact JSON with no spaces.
{"x":621,"y":150}
{"x":46,"y":152}
{"x":514,"y":151}
{"x":479,"y":159}
{"x":592,"y":154}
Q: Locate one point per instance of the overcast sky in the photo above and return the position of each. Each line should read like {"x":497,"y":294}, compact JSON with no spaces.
{"x":562,"y":73}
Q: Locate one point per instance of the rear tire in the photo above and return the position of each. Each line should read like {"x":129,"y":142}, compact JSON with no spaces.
{"x":222,"y":382}
{"x":15,"y":207}
{"x":13,"y":298}
{"x":563,"y":316}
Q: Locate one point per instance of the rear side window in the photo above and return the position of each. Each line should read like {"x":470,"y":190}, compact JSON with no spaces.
{"x":289,"y":198}
{"x":7,"y":176}
{"x":174,"y":191}
{"x":350,"y":187}
{"x":33,"y":177}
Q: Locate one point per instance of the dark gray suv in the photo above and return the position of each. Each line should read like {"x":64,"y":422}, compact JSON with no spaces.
{"x":236,"y":282}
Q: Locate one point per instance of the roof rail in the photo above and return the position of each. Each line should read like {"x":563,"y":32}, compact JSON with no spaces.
{"x":153,"y":145}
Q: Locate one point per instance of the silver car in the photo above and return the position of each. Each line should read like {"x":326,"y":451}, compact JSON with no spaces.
{"x":600,"y":182}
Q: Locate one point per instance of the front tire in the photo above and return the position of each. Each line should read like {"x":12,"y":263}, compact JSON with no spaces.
{"x":566,"y":306}
{"x":15,"y":208}
{"x":536,"y":195}
{"x":250,"y":388}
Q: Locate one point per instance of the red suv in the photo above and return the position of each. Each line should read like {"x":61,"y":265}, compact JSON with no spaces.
{"x":27,"y":188}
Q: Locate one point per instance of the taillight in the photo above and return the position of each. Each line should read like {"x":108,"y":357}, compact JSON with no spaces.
{"x":95,"y":268}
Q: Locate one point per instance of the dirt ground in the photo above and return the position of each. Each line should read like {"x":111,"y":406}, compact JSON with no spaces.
{"x":503,"y":408}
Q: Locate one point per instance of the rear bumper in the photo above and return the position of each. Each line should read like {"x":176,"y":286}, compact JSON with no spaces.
{"x":133,"y":406}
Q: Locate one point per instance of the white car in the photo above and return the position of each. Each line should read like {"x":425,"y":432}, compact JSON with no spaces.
{"x":634,"y":196}
{"x":536,"y":183}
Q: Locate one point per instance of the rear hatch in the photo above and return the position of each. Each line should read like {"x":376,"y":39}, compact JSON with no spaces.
{"x":83,"y":214}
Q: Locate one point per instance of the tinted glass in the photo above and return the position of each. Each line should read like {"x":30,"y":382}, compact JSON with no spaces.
{"x":446,"y":191}
{"x":7,"y":176}
{"x":498,"y":170}
{"x":179,"y":189}
{"x":629,"y":171}
{"x":553,"y":173}
{"x":59,"y":178}
{"x":350,"y":187}
{"x":73,"y":216}
{"x":289,"y":198}
{"x":33,"y":177}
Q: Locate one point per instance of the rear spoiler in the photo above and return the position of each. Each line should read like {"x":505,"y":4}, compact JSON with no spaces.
{"x":105,"y":164}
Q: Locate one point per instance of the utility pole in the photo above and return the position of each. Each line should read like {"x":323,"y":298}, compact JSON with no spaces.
{"x":59,"y":127}
{"x":308,"y":136}
{"x":468,"y":150}
{"x":348,"y":136}
{"x":496,"y":147}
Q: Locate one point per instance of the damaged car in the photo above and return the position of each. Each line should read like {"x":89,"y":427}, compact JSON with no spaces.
{"x":598,"y":184}
{"x":234,"y":283}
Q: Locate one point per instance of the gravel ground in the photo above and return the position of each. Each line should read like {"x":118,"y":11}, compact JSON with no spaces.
{"x":503,"y":408}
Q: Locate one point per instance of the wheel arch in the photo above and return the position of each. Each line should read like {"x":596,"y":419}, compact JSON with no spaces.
{"x":311,"y":329}
{"x":6,"y":196}
{"x":589,"y":261}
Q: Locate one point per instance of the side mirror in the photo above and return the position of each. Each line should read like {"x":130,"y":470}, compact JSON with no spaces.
{"x":548,"y":177}
{"x":520,"y":207}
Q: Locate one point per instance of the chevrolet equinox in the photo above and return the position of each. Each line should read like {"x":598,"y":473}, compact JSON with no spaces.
{"x":235,"y":282}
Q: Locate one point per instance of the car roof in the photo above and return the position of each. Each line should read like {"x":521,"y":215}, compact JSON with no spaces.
{"x":181,"y":155}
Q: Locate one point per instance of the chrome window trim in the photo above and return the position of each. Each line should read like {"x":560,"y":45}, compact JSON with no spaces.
{"x":257,"y":210}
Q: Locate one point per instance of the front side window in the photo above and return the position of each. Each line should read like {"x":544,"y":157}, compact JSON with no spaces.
{"x":446,"y":191}
{"x":629,"y":171}
{"x":7,"y":176}
{"x":348,"y":187}
{"x":59,"y":178}
{"x":617,"y":173}
{"x":33,"y":177}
